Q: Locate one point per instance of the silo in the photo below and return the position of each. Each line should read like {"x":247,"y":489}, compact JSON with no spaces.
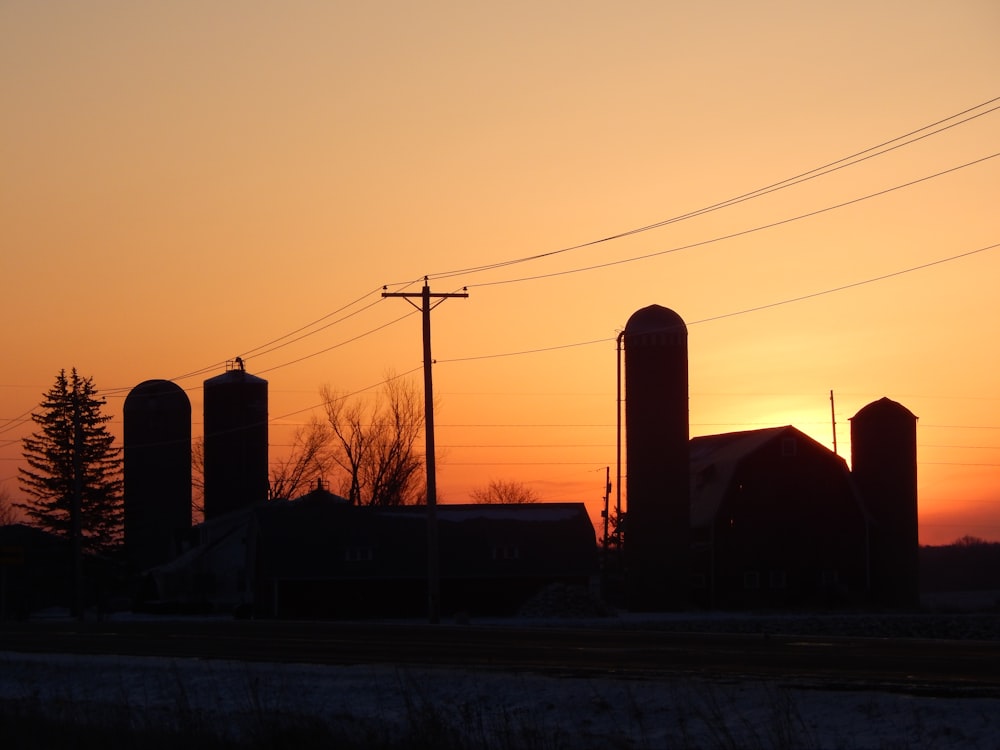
{"x":884,"y":466}
{"x":657,"y":537}
{"x":156,"y":471}
{"x":236,"y":472}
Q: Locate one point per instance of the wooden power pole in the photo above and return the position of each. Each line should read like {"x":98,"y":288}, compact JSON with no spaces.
{"x":433,"y":557}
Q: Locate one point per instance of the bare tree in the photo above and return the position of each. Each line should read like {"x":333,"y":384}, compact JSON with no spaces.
{"x":616,"y":524}
{"x":504,"y":492}
{"x":198,"y":480}
{"x":308,"y":460}
{"x":969,"y":541}
{"x":375,"y":444}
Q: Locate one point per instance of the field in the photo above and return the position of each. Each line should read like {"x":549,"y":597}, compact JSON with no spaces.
{"x":60,"y":700}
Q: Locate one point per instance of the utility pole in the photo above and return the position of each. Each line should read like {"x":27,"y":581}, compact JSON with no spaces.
{"x":833,"y":420}
{"x":433,"y":558}
{"x":604,"y":542}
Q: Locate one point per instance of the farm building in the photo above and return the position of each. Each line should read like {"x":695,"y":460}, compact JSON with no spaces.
{"x":319,"y":556}
{"x":777,"y":522}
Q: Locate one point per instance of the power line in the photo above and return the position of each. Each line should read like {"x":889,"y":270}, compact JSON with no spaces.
{"x":256,"y":350}
{"x":733,"y":235}
{"x":852,"y":285}
{"x":855,"y":158}
{"x":828,"y":168}
{"x":846,"y":161}
{"x":337,"y":345}
{"x":274,"y":344}
{"x":14,"y":423}
{"x":619,"y":262}
{"x":744,"y":311}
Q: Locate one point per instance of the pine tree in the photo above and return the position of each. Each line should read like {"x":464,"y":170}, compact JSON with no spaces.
{"x":74,"y":469}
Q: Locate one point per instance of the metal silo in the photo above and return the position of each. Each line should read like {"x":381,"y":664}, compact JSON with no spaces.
{"x":658,"y":521}
{"x":236,"y":471}
{"x":156,"y":471}
{"x":884,"y":466}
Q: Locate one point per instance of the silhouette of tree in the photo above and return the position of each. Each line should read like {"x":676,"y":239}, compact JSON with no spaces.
{"x":616,"y":526}
{"x":375,"y":444}
{"x":504,"y":492}
{"x":970,"y":541}
{"x":308,"y":460}
{"x":198,"y":479}
{"x":74,"y":469}
{"x":8,"y":514}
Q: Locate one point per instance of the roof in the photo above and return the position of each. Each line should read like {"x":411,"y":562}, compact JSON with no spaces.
{"x":157,"y":394}
{"x":320,"y":493}
{"x":653,"y":319}
{"x":715,"y":459}
{"x":537,"y":512}
{"x":884,"y":407}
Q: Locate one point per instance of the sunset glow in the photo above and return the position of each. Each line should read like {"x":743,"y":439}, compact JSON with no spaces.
{"x":184,"y":183}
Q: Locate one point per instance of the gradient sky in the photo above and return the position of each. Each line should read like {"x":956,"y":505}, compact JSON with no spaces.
{"x":185,"y":182}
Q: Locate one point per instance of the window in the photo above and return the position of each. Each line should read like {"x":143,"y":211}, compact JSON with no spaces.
{"x":751,"y":580}
{"x":777,"y":579}
{"x":789,"y":446}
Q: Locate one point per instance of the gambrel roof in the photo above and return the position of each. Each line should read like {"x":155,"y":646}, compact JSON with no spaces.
{"x":716,"y":458}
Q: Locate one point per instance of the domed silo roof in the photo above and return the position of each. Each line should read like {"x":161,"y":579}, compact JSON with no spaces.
{"x":157,"y":395}
{"x":653,"y":319}
{"x":657,"y":458}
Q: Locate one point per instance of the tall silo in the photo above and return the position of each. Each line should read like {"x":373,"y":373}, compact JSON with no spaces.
{"x":657,"y":538}
{"x":884,"y":465}
{"x":156,"y":471}
{"x":236,"y":472}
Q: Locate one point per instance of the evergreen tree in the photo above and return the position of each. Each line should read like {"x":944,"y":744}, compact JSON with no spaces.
{"x":74,"y":469}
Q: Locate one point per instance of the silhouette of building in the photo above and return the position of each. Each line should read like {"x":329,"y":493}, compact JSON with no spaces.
{"x":657,"y":535}
{"x":236,"y":469}
{"x":761,"y":518}
{"x":36,"y":568}
{"x":777,"y":522}
{"x":764,"y":517}
{"x":884,"y":464}
{"x":156,"y":471}
{"x":320,"y":556}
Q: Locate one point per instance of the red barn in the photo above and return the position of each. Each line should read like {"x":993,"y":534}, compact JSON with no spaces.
{"x":777,"y":521}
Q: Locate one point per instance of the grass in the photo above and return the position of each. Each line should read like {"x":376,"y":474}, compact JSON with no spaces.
{"x":259,"y":712}
{"x":29,"y":724}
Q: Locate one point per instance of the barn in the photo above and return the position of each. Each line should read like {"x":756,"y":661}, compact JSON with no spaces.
{"x":776,"y":522}
{"x":319,"y":556}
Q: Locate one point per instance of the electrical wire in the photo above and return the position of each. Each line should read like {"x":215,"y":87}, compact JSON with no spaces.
{"x":733,"y":235}
{"x":856,"y":158}
{"x":900,"y":141}
{"x":292,"y":337}
{"x":744,"y":311}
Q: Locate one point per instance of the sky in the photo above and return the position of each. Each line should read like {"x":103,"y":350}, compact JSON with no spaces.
{"x":187,"y":182}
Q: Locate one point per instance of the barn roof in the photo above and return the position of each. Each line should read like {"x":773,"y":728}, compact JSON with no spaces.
{"x":715,"y":458}
{"x":539,"y":512}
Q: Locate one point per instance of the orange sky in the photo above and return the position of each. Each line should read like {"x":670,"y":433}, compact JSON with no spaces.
{"x":185,"y":182}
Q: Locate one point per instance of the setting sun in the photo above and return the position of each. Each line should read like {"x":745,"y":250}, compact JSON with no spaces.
{"x":812,"y":188}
